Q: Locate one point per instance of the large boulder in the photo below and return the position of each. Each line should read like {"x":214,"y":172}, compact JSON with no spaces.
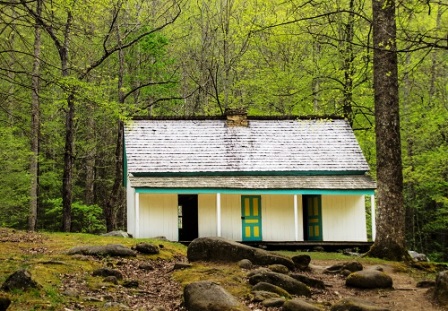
{"x":441,"y":288}
{"x":209,"y":296}
{"x":369,"y":279}
{"x":109,"y":250}
{"x":20,"y":280}
{"x":284,"y":281}
{"x":220,"y":249}
{"x":353,"y":304}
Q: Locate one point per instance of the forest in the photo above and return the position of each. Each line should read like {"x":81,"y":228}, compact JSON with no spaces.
{"x":72,"y":72}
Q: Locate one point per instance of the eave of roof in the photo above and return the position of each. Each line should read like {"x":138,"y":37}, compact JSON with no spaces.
{"x":334,"y":182}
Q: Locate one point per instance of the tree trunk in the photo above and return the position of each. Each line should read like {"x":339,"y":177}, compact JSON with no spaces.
{"x":35,"y":124}
{"x":390,"y":238}
{"x":67,"y":183}
{"x":115,"y":196}
{"x":348,"y":65}
{"x":89,"y":190}
{"x":110,"y":211}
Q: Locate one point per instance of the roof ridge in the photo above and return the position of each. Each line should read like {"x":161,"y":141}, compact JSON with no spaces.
{"x":249,"y":117}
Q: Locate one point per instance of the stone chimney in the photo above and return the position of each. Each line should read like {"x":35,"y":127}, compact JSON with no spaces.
{"x":236,"y":117}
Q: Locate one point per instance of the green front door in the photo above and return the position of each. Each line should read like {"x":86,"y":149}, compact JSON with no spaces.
{"x":251,"y":217}
{"x":312,"y":213}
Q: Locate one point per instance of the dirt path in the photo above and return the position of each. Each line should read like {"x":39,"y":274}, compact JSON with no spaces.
{"x":405,"y":296}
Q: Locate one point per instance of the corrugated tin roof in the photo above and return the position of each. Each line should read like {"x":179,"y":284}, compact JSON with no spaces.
{"x":189,"y":146}
{"x":335,"y":182}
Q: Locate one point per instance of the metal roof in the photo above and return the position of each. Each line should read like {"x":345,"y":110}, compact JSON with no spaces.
{"x":204,"y":146}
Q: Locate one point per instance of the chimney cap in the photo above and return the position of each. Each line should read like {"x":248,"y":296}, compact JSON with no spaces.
{"x":235,"y":112}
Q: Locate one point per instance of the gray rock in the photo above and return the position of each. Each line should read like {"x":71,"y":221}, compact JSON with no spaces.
{"x":274,"y":302}
{"x":298,"y":305}
{"x":220,"y":249}
{"x":118,"y":233}
{"x":284,"y":281}
{"x":131,"y":284}
{"x":4,"y":303}
{"x":260,"y":295}
{"x":351,"y":266}
{"x":146,"y":248}
{"x":301,"y":261}
{"x":105,"y":272}
{"x":377,"y":268}
{"x":426,"y":284}
{"x":20,"y":280}
{"x":308,"y":281}
{"x":441,"y":288}
{"x":279,"y":268}
{"x":111,"y":279}
{"x":209,"y":296}
{"x":258,"y":271}
{"x":146,"y":266}
{"x":245,"y":264}
{"x":112,"y":250}
{"x":418,"y":256}
{"x":353,"y":304}
{"x":369,"y":279}
{"x":181,"y":265}
{"x":268,"y":287}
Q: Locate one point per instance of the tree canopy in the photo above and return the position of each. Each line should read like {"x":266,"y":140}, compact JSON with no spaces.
{"x":73,"y":71}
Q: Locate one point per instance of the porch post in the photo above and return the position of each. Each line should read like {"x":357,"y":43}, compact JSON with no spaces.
{"x":373,"y":216}
{"x":137,"y":215}
{"x":296,"y":218}
{"x":218,"y":214}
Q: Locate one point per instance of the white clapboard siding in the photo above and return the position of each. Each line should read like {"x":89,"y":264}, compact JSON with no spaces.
{"x":158,"y":216}
{"x":343,"y":218}
{"x":278,"y":217}
{"x":231,"y":216}
{"x":207,"y":220}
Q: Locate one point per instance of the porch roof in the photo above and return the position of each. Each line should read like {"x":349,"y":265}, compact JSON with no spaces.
{"x":334,"y":182}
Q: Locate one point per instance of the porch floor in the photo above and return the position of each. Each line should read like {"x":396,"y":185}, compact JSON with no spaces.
{"x":327,"y":246}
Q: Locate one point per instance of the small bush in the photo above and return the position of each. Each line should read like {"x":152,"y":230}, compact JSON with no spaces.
{"x":85,"y":218}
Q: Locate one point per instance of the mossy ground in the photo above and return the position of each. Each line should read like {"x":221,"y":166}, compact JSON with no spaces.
{"x":44,"y":255}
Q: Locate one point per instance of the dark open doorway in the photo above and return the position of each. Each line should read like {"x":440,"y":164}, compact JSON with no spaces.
{"x":312,"y":217}
{"x":188,"y":216}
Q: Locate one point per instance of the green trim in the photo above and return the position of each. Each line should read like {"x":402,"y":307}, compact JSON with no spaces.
{"x":248,"y":173}
{"x":255,"y":191}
